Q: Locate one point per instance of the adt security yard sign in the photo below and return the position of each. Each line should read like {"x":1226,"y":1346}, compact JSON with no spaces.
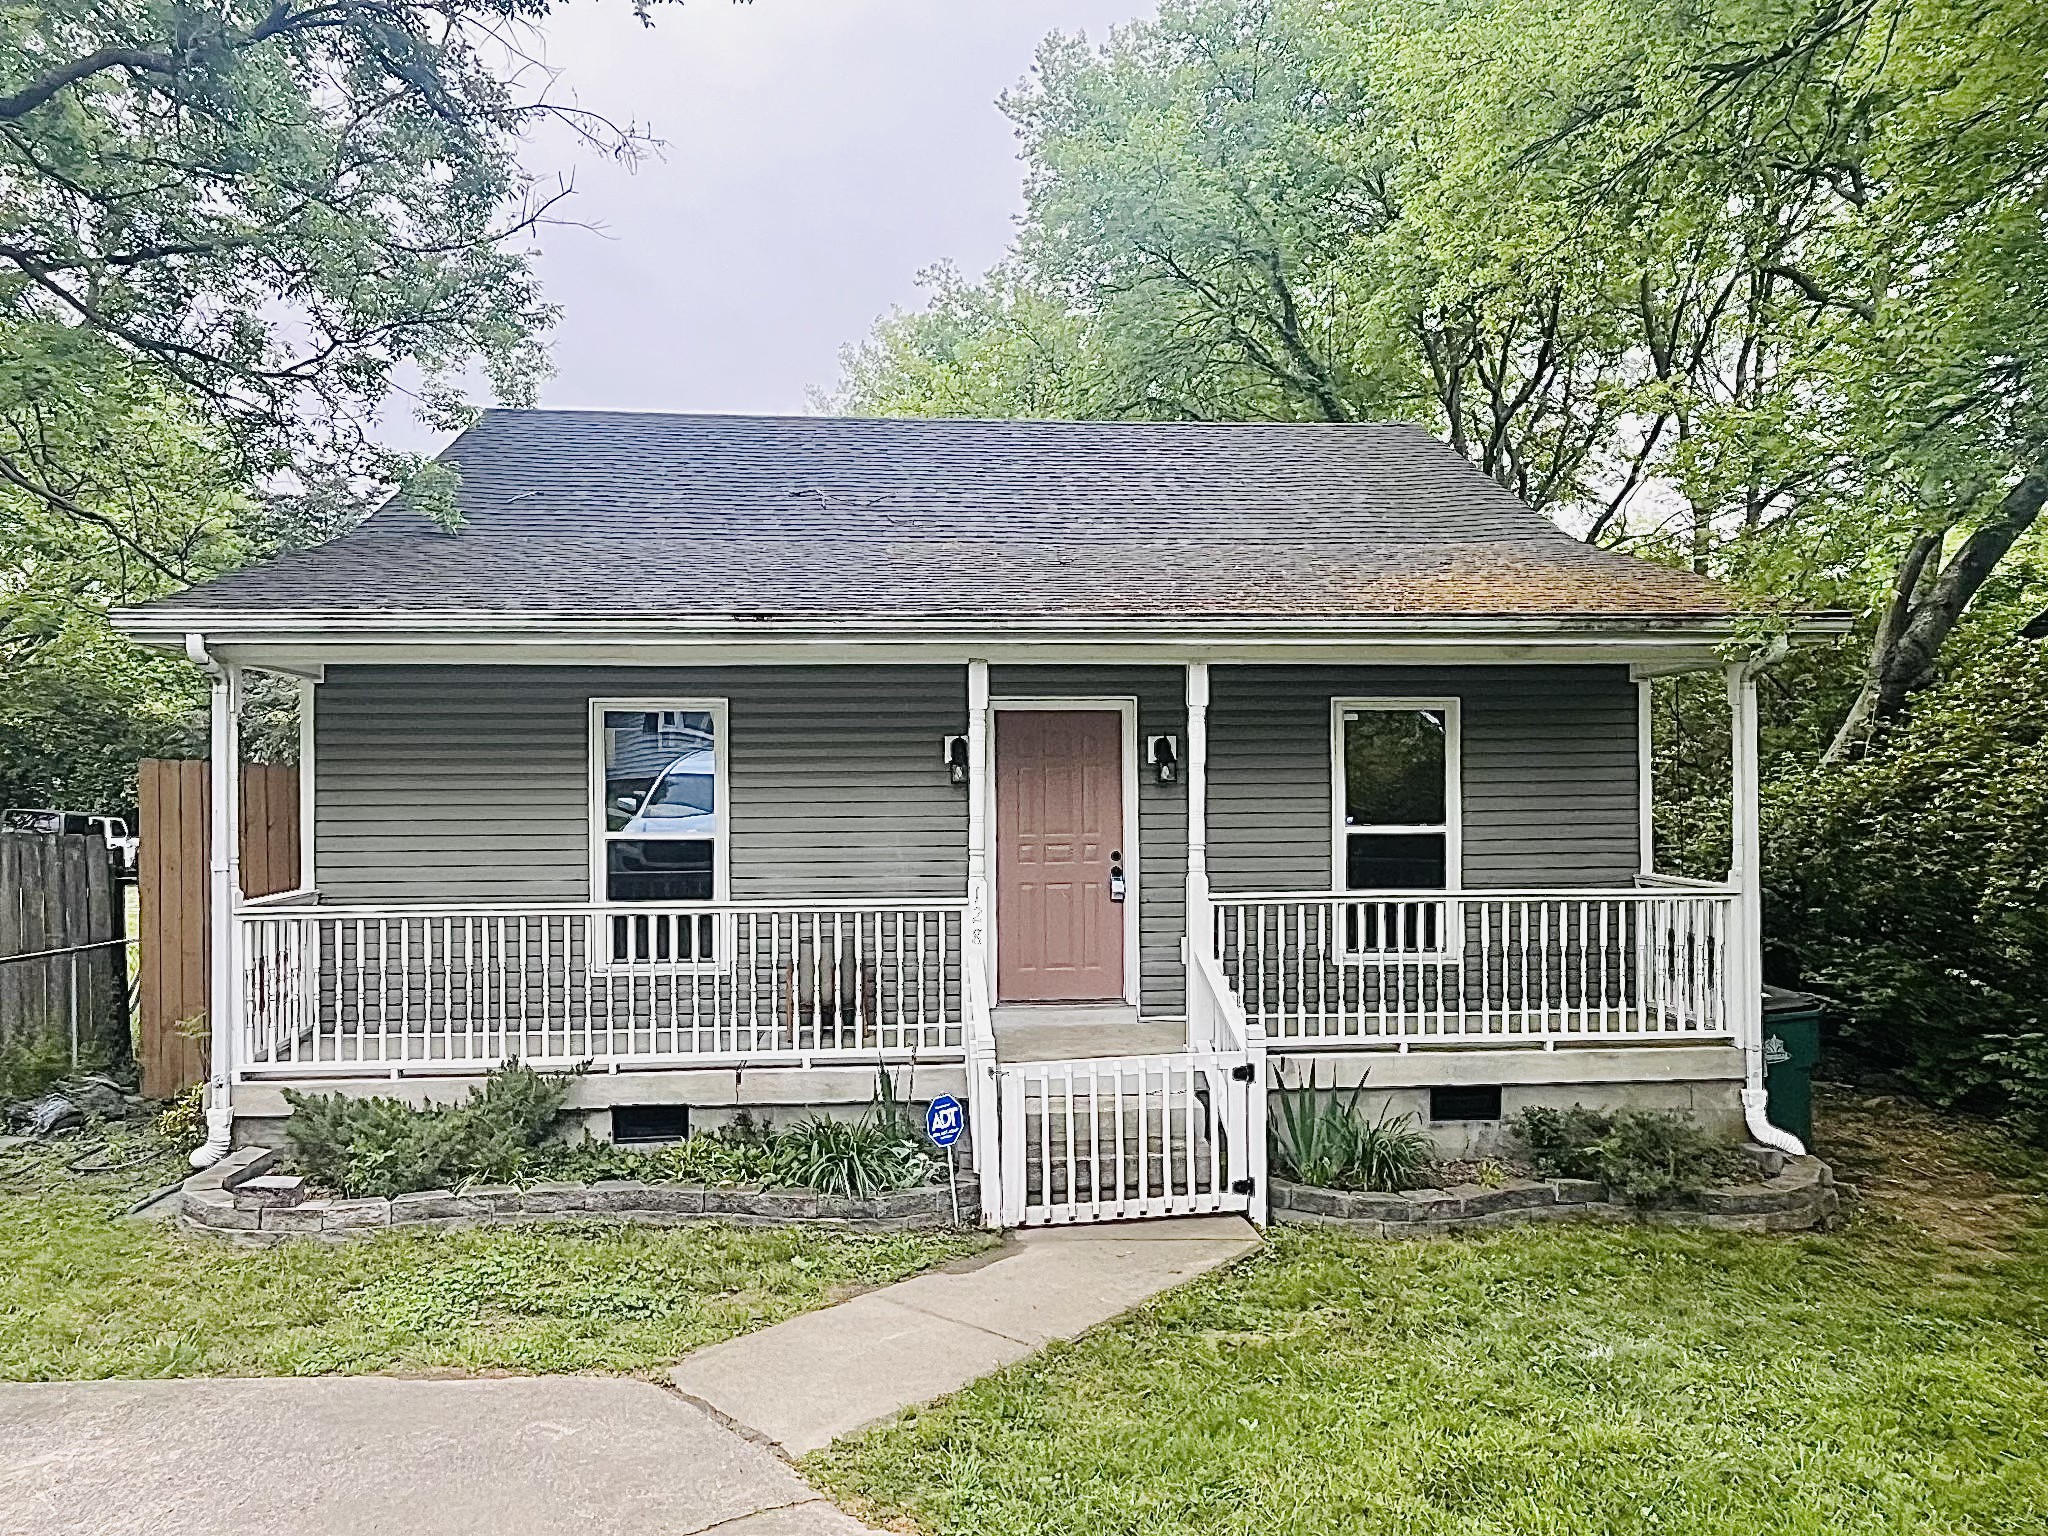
{"x":944,"y":1120}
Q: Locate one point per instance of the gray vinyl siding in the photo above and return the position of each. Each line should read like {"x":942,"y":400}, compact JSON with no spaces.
{"x":447,"y":784}
{"x":471,"y":784}
{"x":1162,"y":809}
{"x":1549,"y":780}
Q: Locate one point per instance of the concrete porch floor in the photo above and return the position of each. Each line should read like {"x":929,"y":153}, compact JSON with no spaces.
{"x":1067,"y":1031}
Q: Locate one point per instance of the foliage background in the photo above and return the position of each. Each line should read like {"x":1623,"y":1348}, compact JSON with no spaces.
{"x":1756,"y":286}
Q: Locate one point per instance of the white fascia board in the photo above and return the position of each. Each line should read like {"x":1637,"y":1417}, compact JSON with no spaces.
{"x":294,"y":658}
{"x":287,"y":641}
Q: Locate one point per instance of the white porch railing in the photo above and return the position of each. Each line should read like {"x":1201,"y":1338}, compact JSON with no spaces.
{"x":978,"y":1034}
{"x":1117,"y":1137}
{"x":1406,"y":969}
{"x":331,"y":990}
{"x":1217,"y":1022}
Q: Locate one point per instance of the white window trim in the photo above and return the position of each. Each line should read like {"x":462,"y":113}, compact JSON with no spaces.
{"x":600,"y":834}
{"x":1452,"y":826}
{"x":1126,"y":708}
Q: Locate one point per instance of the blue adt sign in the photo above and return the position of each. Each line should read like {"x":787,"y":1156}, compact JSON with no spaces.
{"x":944,"y":1120}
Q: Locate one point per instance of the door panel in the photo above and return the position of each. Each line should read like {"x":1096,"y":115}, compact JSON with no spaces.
{"x":1059,"y":831}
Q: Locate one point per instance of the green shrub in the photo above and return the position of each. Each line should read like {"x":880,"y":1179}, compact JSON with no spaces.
{"x":1651,"y":1157}
{"x":381,"y":1146}
{"x":1907,"y":886}
{"x":182,"y":1121}
{"x":1324,"y":1138}
{"x":719,"y":1157}
{"x":505,"y":1132}
{"x":869,"y":1156}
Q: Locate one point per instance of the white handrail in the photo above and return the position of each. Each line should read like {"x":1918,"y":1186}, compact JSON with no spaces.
{"x":1649,"y":888}
{"x":258,"y":906}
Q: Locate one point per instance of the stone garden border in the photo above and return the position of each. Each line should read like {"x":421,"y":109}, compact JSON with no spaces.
{"x":237,"y":1198}
{"x":1798,"y":1195}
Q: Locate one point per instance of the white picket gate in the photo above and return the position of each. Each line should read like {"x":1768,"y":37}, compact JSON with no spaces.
{"x":1117,"y":1138}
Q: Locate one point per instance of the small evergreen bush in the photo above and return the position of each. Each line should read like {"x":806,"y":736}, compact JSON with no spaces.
{"x":1651,"y":1157}
{"x":379,"y":1146}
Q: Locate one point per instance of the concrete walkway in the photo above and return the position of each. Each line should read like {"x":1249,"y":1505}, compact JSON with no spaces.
{"x":802,"y":1384}
{"x":599,"y":1456}
{"x":330,"y":1455}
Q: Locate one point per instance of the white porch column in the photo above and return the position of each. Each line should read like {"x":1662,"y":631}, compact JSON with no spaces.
{"x":978,"y":904}
{"x":1196,"y":773}
{"x":1646,"y":782}
{"x":1745,"y":876}
{"x":308,"y":689}
{"x":224,"y":892}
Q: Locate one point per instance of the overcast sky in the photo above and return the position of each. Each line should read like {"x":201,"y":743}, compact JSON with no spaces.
{"x":819,"y":153}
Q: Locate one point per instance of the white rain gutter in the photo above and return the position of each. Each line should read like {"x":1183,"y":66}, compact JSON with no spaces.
{"x":1755,"y":1099}
{"x":220,"y":1114}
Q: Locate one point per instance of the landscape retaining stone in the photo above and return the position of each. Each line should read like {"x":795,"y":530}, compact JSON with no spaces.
{"x":213,"y":1202}
{"x":269,"y":1189}
{"x":1799,"y":1195}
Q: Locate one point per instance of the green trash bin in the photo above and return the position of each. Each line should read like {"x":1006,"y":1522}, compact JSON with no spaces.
{"x":1791,"y":1048}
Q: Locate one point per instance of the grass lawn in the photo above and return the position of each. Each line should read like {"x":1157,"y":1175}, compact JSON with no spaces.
{"x":83,"y":1294}
{"x":1892,"y":1377}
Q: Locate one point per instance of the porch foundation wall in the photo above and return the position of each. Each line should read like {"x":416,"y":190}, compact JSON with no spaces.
{"x":1704,"y":1082}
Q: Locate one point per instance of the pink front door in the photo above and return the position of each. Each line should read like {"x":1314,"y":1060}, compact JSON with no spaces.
{"x":1059,"y":833}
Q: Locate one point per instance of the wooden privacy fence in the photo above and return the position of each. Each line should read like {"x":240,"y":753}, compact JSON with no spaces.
{"x":172,"y":871}
{"x":63,"y":948}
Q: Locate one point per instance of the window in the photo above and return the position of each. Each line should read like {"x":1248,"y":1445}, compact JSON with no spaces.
{"x":1396,"y":813}
{"x":658,"y":774}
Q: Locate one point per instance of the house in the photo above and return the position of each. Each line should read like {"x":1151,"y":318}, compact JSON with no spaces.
{"x":1105,"y":776}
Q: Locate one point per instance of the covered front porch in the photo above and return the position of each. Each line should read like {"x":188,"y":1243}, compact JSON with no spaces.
{"x":1236,"y":896}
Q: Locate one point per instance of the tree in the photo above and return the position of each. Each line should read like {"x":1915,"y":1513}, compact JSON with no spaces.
{"x":272,"y":208}
{"x":1758,"y":287}
{"x":229,"y":232}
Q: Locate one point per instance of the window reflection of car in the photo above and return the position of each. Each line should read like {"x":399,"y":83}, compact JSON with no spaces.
{"x":682,"y":800}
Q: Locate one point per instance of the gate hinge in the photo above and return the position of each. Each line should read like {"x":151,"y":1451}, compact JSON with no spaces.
{"x":1241,"y":1186}
{"x":1242,"y":1074}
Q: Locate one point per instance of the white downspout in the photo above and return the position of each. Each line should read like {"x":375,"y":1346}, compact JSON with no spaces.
{"x":1746,"y":876}
{"x":223,"y":870}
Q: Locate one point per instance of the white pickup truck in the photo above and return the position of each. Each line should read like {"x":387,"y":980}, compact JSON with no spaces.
{"x":112,"y":828}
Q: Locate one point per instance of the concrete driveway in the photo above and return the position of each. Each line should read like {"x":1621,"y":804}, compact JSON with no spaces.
{"x":370,"y":1455}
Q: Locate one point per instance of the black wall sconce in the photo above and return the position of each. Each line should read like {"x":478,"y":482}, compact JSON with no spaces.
{"x":1163,"y":753}
{"x":956,"y":759}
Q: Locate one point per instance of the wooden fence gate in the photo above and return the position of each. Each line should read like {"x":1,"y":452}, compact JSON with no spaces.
{"x":173,"y":876}
{"x":63,"y":922}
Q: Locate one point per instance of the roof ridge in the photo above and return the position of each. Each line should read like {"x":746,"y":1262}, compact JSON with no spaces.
{"x":1206,"y":424}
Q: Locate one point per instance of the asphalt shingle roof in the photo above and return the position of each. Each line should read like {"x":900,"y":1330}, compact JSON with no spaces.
{"x":626,"y":514}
